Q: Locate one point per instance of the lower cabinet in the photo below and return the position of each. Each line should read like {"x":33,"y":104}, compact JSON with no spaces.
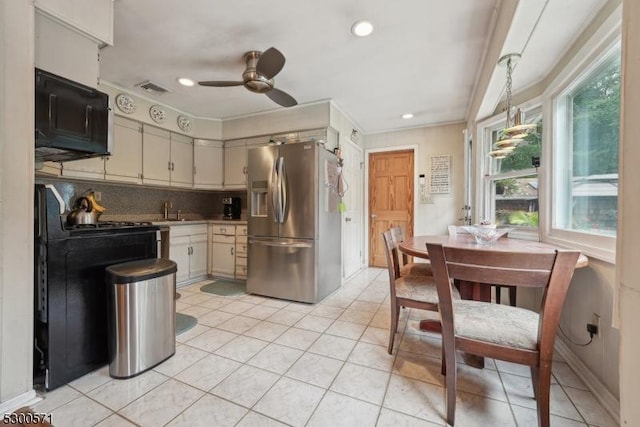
{"x":223,"y":241}
{"x":241,"y":252}
{"x":188,"y":248}
{"x":229,"y":251}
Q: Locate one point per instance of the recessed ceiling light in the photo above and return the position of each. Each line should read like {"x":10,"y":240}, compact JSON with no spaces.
{"x":407,"y":116}
{"x":185,"y":81}
{"x":362,"y":28}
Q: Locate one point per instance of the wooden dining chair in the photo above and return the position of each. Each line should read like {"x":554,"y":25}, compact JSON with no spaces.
{"x":406,"y":291}
{"x":408,"y":268}
{"x":499,"y":331}
{"x":513,"y":290}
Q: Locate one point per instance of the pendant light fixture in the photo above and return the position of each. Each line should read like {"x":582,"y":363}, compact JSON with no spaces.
{"x":514,"y":130}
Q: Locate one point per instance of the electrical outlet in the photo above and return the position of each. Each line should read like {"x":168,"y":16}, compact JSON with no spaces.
{"x":594,"y":327}
{"x":97,"y":195}
{"x":595,"y":320}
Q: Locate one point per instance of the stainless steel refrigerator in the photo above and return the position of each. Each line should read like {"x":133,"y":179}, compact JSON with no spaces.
{"x":294,"y":224}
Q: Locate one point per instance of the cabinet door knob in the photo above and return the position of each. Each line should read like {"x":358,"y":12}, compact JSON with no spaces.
{"x":232,"y":250}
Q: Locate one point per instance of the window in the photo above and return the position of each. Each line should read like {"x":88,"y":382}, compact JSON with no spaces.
{"x":587,"y":115}
{"x":511,"y":183}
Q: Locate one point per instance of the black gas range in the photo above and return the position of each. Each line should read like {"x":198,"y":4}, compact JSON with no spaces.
{"x":70,"y":312}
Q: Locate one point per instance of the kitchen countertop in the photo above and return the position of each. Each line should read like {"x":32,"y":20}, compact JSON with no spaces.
{"x":199,"y":221}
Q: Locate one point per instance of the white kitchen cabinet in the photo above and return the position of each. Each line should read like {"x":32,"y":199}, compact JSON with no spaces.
{"x":156,"y":156}
{"x":125,"y":162}
{"x":167,"y":158}
{"x":223,"y":242}
{"x":180,"y":252}
{"x":94,"y":18}
{"x":208,"y":164}
{"x":188,"y":248}
{"x":235,"y":164}
{"x":235,"y":161}
{"x":181,"y":161}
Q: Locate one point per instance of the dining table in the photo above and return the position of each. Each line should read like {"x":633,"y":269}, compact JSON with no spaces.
{"x":416,"y":246}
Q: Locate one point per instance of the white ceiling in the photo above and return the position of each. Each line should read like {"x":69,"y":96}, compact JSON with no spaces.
{"x":423,"y":56}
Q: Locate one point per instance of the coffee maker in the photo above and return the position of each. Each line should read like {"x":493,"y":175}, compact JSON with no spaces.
{"x":231,"y":207}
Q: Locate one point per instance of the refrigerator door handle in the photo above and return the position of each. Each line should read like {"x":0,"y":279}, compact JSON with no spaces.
{"x":273,"y":189}
{"x":281,"y":244}
{"x":283,"y":189}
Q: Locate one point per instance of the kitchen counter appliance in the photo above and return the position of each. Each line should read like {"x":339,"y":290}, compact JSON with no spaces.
{"x":294,"y":225}
{"x":232,"y":208}
{"x":70,"y":313}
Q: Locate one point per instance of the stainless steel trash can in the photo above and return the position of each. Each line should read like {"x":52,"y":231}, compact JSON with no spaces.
{"x":142,"y":321}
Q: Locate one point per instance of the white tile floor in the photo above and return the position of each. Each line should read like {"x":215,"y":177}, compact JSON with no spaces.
{"x":254,"y":361}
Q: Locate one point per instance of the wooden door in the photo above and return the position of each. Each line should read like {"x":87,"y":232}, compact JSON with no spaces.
{"x":391,"y":198}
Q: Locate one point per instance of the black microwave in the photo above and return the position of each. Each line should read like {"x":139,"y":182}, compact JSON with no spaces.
{"x":71,"y":120}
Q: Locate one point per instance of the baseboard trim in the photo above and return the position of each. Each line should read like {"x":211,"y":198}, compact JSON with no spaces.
{"x":17,"y":402}
{"x":604,"y":396}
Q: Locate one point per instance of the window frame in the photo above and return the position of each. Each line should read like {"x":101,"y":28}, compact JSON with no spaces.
{"x":588,"y":58}
{"x":485,"y":203}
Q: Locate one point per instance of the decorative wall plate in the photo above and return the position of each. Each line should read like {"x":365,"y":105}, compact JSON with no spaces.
{"x":125,"y":103}
{"x":184,"y":123}
{"x":157,"y":114}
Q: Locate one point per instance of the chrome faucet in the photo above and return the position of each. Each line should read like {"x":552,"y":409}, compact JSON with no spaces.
{"x":167,"y":205}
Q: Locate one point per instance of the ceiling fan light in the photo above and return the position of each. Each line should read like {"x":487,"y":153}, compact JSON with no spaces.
{"x":185,"y":81}
{"x":407,"y":116}
{"x":362,"y":28}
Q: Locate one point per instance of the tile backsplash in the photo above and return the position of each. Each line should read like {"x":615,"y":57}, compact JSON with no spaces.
{"x":123,"y":201}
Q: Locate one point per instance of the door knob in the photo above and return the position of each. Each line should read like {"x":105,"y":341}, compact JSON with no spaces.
{"x":374,"y":216}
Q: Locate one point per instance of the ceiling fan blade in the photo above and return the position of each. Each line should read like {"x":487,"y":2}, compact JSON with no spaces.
{"x":221,"y":83}
{"x":282,"y":98}
{"x":270,"y":62}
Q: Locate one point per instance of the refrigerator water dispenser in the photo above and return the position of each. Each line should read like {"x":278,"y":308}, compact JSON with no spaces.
{"x":259,"y":194}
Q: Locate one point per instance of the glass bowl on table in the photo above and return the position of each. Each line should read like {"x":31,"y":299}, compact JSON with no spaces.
{"x":486,"y":234}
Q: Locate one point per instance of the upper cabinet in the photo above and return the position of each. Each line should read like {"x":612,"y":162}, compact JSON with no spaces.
{"x":125,"y":162}
{"x":208,"y":164}
{"x":181,"y":160}
{"x":235,"y":164}
{"x":93,"y":18}
{"x":235,"y":161}
{"x":167,"y":158}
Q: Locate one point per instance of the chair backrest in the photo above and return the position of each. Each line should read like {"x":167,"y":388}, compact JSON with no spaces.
{"x":391,"y":254}
{"x":551,"y":271}
{"x":398,"y":237}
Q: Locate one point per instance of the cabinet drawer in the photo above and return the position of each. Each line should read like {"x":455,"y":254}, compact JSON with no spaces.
{"x":241,"y":249}
{"x":229,"y":230}
{"x":240,"y":261}
{"x":241,"y":230}
{"x":241,"y":239}
{"x":187,"y":230}
{"x":220,"y":238}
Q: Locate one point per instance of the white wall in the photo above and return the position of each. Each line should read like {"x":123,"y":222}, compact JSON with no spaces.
{"x":308,"y":116}
{"x":202,"y":128}
{"x":434,"y":140}
{"x":16,"y":201}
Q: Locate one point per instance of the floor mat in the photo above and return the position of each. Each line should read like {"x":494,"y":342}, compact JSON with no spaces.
{"x":184,"y":322}
{"x":225,"y":287}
